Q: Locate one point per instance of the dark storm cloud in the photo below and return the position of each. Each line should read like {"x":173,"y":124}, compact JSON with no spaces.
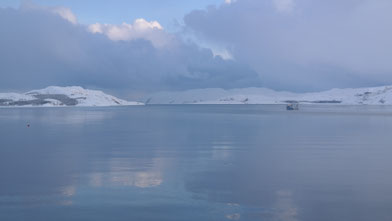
{"x":304,"y":45}
{"x":40,"y":48}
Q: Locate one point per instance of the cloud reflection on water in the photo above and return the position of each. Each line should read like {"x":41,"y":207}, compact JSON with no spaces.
{"x":125,"y":172}
{"x":196,"y":164}
{"x":55,"y":115}
{"x":286,"y":210}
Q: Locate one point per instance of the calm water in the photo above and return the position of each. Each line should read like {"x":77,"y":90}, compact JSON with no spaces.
{"x":255,"y":162}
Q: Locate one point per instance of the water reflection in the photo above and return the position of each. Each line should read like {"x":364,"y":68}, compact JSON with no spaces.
{"x":285,"y":208}
{"x":50,"y":115}
{"x":67,"y":193}
{"x":235,"y":216}
{"x":194,"y":163}
{"x":138,"y":179}
{"x":222,"y":151}
{"x":124,"y":172}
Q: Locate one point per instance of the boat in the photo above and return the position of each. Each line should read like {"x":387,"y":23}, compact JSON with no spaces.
{"x":292,"y":106}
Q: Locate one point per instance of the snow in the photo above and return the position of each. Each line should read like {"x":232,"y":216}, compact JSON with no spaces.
{"x":350,"y":96}
{"x":15,"y":96}
{"x":78,"y":96}
{"x":62,"y":96}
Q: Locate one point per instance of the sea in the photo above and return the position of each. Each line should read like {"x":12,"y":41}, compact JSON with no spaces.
{"x":196,"y":163}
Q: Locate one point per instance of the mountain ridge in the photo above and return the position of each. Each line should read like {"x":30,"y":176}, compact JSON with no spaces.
{"x":55,"y":96}
{"x":350,"y":96}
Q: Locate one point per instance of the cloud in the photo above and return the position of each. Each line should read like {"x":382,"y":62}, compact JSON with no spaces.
{"x":140,"y":29}
{"x":41,"y":48}
{"x":65,"y":13}
{"x":284,"y":5}
{"x":230,"y":1}
{"x":304,"y":45}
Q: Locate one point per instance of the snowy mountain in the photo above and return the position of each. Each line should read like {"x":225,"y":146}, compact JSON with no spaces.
{"x":350,"y":96}
{"x":62,"y":96}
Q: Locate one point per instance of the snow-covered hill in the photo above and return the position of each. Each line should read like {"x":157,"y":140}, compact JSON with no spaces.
{"x":350,"y":96}
{"x":62,"y":96}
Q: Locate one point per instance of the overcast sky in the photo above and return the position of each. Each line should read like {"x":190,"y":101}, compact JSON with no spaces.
{"x":137,"y":47}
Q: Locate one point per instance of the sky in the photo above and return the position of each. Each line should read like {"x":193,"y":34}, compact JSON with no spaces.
{"x":167,"y":12}
{"x":137,"y":47}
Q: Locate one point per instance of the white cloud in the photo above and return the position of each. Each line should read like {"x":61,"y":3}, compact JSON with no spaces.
{"x":139,"y":29}
{"x":142,"y":24}
{"x":222,"y":52}
{"x":284,"y":5}
{"x":321,"y":45}
{"x":53,"y":51}
{"x":61,"y":11}
{"x":230,"y":1}
{"x":65,"y":13}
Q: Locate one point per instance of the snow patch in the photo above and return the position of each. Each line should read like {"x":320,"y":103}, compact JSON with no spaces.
{"x":350,"y":96}
{"x":62,"y":96}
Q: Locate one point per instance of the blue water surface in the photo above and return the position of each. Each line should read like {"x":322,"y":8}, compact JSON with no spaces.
{"x":196,"y":162}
